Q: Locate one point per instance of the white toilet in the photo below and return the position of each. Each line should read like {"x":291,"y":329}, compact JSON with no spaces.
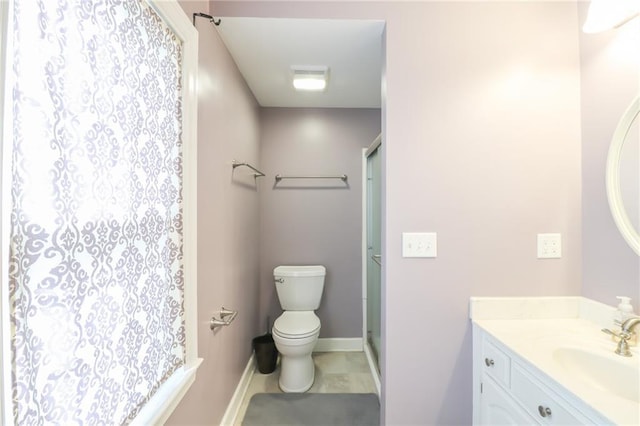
{"x":296,"y":331}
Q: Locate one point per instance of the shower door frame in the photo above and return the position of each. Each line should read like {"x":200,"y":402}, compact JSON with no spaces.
{"x":373,"y":361}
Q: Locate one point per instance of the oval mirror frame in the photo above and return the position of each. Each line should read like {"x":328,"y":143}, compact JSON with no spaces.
{"x":614,"y":190}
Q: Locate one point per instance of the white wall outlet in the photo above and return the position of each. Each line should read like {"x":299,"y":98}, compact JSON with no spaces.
{"x":549,"y":246}
{"x":419,"y":244}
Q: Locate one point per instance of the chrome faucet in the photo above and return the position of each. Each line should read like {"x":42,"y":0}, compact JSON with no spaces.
{"x":630,"y":324}
{"x":625,"y":334}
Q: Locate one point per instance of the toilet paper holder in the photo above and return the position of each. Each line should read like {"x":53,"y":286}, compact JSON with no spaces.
{"x":226,"y":317}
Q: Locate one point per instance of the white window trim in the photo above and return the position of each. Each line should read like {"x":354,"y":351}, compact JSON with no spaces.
{"x":5,"y":392}
{"x":166,"y":399}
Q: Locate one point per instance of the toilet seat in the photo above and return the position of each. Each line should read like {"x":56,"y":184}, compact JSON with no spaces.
{"x":296,"y":325}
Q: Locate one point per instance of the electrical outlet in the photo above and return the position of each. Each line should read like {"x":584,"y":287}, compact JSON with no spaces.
{"x":419,"y":244}
{"x":549,"y":246}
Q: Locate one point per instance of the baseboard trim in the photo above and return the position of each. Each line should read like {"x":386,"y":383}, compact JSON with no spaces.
{"x":339,"y":344}
{"x":233,"y":408}
{"x":372,"y":366}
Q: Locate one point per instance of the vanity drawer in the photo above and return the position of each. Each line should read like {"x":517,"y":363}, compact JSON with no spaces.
{"x":496,"y":363}
{"x":541,"y":403}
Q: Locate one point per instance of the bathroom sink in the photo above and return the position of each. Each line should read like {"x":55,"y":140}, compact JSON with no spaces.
{"x":607,"y":372}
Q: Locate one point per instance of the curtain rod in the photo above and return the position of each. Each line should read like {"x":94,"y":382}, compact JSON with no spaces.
{"x":204,"y":15}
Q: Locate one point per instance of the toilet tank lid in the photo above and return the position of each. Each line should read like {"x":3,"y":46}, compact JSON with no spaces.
{"x":300,"y":271}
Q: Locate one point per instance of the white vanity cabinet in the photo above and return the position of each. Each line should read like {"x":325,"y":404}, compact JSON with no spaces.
{"x":509,"y":391}
{"x":498,"y":407}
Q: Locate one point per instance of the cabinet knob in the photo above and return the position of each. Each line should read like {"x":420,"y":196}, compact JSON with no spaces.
{"x":489,"y":362}
{"x":544,"y":411}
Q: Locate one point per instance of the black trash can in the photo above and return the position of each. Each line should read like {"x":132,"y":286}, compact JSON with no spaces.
{"x":266,"y":353}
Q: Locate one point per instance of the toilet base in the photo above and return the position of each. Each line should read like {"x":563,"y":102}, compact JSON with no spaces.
{"x":297,"y":373}
{"x":297,"y":370}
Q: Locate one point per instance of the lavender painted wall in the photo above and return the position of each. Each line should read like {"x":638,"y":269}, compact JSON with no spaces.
{"x":315,"y":222}
{"x":610,"y":79}
{"x":228,"y":228}
{"x":482,"y":145}
{"x":495,"y":151}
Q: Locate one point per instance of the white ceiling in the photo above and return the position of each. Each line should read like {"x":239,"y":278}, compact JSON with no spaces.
{"x":265,"y":49}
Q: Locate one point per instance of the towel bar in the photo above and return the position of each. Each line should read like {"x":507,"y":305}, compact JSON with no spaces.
{"x":342,"y":177}
{"x":257,"y":173}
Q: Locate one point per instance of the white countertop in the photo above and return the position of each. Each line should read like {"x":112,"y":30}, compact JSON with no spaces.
{"x":535,"y":328}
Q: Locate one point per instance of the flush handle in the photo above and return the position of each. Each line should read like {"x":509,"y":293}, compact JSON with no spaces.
{"x":279,"y":280}
{"x":489,"y":362}
{"x":544,"y":411}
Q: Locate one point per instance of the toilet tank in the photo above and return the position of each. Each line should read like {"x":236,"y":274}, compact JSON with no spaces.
{"x":299,"y":288}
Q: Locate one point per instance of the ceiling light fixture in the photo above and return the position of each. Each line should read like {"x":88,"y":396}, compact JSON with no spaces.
{"x":310,"y":78}
{"x":604,"y":15}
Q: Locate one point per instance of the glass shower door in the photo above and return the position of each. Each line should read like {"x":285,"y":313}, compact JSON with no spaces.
{"x":374,"y":258}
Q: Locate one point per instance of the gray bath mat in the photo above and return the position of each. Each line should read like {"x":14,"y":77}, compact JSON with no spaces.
{"x":313,"y":409}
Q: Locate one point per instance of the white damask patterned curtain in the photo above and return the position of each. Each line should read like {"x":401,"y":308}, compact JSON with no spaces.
{"x":96,"y":276}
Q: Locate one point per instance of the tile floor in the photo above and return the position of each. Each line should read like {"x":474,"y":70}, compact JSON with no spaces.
{"x":336,"y":372}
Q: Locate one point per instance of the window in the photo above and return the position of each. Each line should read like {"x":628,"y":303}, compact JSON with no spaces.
{"x":99,"y":222}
